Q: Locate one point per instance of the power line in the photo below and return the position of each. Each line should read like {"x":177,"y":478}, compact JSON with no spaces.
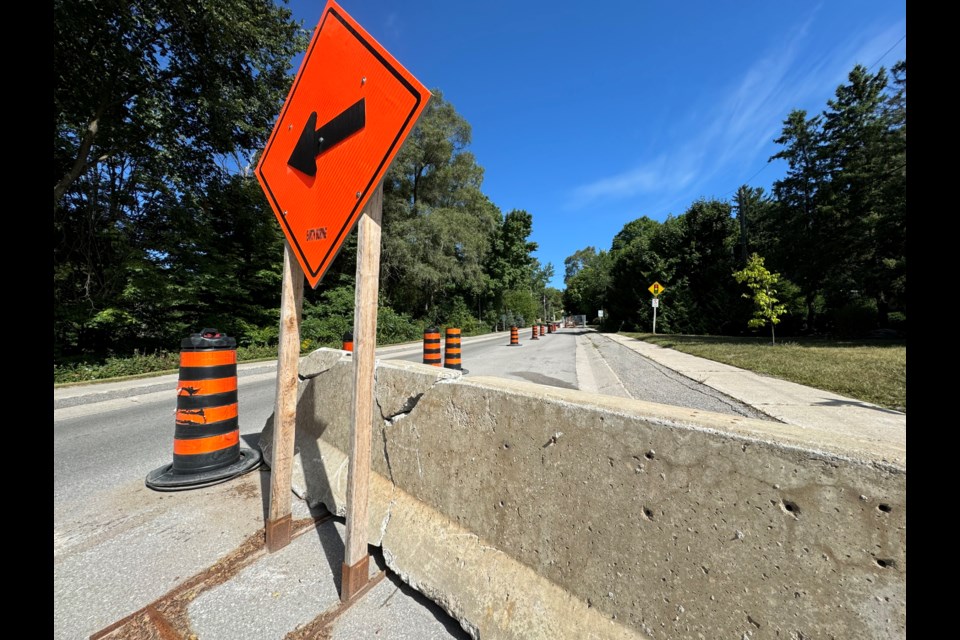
{"x":894,"y":46}
{"x":747,"y":181}
{"x":888,"y":51}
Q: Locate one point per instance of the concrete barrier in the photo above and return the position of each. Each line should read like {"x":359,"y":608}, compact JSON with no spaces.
{"x":529,"y":511}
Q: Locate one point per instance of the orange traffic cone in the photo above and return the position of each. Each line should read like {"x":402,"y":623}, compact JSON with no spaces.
{"x":451,"y":350}
{"x":206,"y":444}
{"x":431,"y":346}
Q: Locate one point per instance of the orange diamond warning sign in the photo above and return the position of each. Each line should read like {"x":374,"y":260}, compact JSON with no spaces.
{"x":348,"y":112}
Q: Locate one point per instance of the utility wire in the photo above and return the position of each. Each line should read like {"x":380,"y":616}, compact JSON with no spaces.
{"x":894,"y":46}
{"x":888,"y":51}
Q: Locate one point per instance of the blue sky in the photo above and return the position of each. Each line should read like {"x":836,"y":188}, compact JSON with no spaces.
{"x":590,"y":115}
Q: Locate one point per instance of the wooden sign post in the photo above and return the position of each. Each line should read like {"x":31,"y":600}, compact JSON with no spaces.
{"x":285,"y":412}
{"x":349,"y":110}
{"x":356,"y":558}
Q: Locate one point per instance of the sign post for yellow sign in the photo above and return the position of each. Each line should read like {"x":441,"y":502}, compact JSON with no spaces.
{"x":656,"y":289}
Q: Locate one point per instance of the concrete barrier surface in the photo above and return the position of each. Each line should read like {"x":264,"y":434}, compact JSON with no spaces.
{"x":529,"y":511}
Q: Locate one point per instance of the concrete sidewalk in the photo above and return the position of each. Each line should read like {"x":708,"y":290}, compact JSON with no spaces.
{"x":787,"y":402}
{"x":294,"y":593}
{"x":248,"y":593}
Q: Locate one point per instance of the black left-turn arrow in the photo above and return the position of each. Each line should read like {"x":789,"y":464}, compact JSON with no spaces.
{"x":314,"y":142}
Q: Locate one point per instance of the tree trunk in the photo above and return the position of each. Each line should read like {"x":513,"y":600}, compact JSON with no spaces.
{"x":883,"y":311}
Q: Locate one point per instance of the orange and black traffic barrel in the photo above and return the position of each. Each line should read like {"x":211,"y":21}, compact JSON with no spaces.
{"x":533,"y":332}
{"x":431,"y":346}
{"x":348,"y":341}
{"x":514,"y":337}
{"x":206,"y":441}
{"x":543,"y":329}
{"x":451,"y":350}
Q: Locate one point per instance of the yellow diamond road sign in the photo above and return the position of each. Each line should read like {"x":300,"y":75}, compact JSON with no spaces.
{"x":656,"y":288}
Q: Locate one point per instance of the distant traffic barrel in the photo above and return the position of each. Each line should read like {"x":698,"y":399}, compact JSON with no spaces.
{"x":514,"y":337}
{"x":348,"y":341}
{"x":533,"y":332}
{"x":431,"y":346}
{"x":451,"y":350}
{"x":549,"y":327}
{"x":543,"y":329}
{"x":206,"y":441}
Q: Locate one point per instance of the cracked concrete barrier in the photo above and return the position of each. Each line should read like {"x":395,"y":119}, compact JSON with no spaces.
{"x":529,"y":511}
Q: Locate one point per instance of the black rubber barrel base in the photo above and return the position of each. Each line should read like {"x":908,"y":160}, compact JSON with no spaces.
{"x":164,"y":479}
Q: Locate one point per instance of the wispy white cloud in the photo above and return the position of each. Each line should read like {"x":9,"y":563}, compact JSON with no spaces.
{"x":736,"y":139}
{"x":653,"y":176}
{"x":731,"y":129}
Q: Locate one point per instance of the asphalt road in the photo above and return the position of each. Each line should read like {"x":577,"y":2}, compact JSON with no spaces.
{"x":586,"y":360}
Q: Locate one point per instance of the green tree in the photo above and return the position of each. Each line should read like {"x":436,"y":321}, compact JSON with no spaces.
{"x":587,"y":290}
{"x":751,"y":205}
{"x":763,"y":292}
{"x":438,"y":228}
{"x":640,"y":254}
{"x":172,"y":86}
{"x":553,"y":303}
{"x":158,"y":106}
{"x":866,"y":159}
{"x":705,"y":258}
{"x":511,"y":263}
{"x":808,"y":247}
{"x":575,"y":263}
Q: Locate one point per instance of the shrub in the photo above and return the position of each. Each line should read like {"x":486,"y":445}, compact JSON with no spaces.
{"x":897,"y":320}
{"x":460,"y":317}
{"x":393,"y":327}
{"x":116,"y":367}
{"x":855,"y":318}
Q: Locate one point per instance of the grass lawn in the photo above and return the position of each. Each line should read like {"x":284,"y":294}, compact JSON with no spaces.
{"x":874,"y":371}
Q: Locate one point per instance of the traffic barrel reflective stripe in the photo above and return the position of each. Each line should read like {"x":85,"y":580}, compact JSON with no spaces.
{"x":206,"y":387}
{"x":190,"y":410}
{"x":206,"y":444}
{"x":431,"y":346}
{"x":451,"y":350}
